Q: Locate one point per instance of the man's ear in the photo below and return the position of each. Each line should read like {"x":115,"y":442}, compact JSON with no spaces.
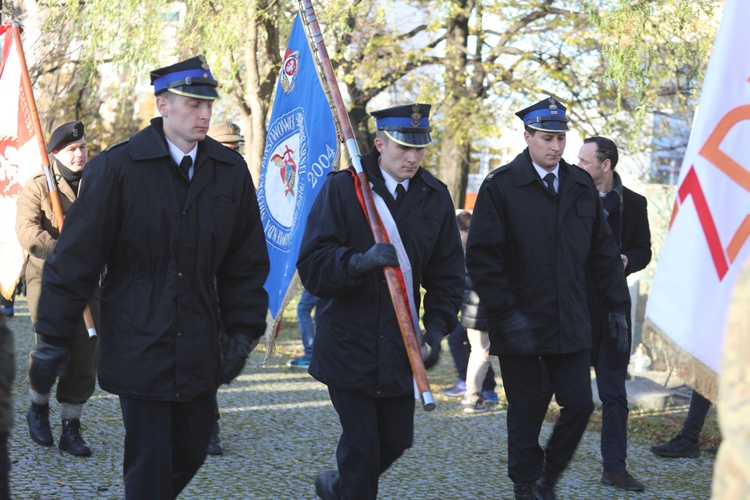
{"x":606,"y":165}
{"x":379,"y":144}
{"x":162,"y":105}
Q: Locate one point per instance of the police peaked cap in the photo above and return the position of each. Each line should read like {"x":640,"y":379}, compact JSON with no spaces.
{"x":190,"y":78}
{"x":407,"y":125}
{"x":64,"y":135}
{"x":548,"y":115}
{"x":225,"y":132}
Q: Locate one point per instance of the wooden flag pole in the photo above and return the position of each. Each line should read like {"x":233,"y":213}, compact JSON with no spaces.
{"x":54,"y":196}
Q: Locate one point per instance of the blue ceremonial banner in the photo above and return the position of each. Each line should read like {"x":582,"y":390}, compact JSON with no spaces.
{"x":301,"y":149}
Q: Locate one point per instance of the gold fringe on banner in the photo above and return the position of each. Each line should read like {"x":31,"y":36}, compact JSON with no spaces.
{"x":697,"y":375}
{"x":273,"y":325}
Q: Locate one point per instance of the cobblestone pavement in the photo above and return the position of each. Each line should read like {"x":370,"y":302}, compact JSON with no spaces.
{"x":280,"y":430}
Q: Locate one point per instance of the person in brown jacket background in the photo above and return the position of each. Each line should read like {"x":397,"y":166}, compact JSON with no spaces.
{"x":37,"y":232}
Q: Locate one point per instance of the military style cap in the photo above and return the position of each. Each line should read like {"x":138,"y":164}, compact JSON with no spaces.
{"x":548,"y":115}
{"x":225,"y":132}
{"x":407,"y":125}
{"x":191,"y":78}
{"x":64,"y":135}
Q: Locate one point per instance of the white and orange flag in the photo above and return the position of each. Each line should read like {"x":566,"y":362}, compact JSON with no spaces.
{"x":707,"y":242}
{"x":19,"y":153}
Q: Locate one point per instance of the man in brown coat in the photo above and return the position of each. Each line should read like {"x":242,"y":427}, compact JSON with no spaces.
{"x":37,"y":231}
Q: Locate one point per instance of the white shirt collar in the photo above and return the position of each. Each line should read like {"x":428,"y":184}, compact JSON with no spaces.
{"x":542,"y":172}
{"x":391,"y":183}
{"x":178,"y":154}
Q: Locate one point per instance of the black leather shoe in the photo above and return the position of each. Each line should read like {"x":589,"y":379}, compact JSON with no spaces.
{"x":523,"y":491}
{"x":71,"y":439}
{"x":327,"y":485}
{"x":677,"y":447}
{"x":544,"y":492}
{"x":545,"y":487}
{"x":214,"y":444}
{"x":38,"y":419}
{"x":622,"y":479}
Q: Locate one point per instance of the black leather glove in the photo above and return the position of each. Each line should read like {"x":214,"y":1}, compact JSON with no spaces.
{"x":49,"y":361}
{"x":433,"y":336}
{"x":238,"y":349}
{"x":618,"y":330}
{"x":514,"y":329}
{"x":378,"y":256}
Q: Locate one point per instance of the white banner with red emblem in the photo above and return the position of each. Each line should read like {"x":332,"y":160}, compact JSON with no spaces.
{"x":707,"y":242}
{"x":19,"y":153}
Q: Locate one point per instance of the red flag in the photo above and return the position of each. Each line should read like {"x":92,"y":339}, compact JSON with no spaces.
{"x":19,"y":152}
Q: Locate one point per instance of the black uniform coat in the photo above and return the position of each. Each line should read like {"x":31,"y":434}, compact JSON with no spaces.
{"x":629,"y":224}
{"x":358,"y":344}
{"x":175,"y":253}
{"x":528,"y":251}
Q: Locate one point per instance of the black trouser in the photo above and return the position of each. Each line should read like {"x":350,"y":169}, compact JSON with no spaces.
{"x":696,"y":417}
{"x":165,"y":445}
{"x":570,"y":381}
{"x":610,"y":383}
{"x":375,"y":432}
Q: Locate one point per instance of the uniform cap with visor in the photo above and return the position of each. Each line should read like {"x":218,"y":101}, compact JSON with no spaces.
{"x":408,"y":125}
{"x":548,"y":115}
{"x":189,"y":78}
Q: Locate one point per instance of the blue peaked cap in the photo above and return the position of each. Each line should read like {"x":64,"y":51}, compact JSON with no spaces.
{"x":191,"y":78}
{"x":548,"y":115}
{"x":408,"y":125}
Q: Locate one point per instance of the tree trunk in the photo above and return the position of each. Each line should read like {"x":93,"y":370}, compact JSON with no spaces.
{"x":456,"y":141}
{"x":262,"y":61}
{"x":454,"y":167}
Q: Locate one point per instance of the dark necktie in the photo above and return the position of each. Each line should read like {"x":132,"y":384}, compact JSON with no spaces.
{"x":185,"y":165}
{"x":400,"y":193}
{"x":549,"y":179}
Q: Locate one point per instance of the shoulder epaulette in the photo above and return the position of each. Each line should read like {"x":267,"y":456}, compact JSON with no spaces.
{"x":117,"y":144}
{"x":496,"y":171}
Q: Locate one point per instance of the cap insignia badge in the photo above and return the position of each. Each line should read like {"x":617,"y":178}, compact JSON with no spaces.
{"x":204,"y":64}
{"x":415,"y":115}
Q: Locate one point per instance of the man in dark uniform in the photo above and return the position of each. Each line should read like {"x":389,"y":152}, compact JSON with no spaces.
{"x":173,"y":216}
{"x":7,"y":375}
{"x":227,"y":134}
{"x":359,"y":352}
{"x":627,"y":215}
{"x":37,"y":231}
{"x":537,"y":228}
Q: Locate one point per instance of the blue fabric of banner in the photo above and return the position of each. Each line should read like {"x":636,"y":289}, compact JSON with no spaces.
{"x":301,"y":149}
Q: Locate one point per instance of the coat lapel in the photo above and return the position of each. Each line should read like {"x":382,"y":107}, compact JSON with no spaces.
{"x":202,"y":175}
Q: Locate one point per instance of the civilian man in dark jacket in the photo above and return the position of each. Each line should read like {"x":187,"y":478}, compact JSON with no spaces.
{"x":359,"y":352}
{"x":174,"y":217}
{"x":626,"y":213}
{"x":537,"y":228}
